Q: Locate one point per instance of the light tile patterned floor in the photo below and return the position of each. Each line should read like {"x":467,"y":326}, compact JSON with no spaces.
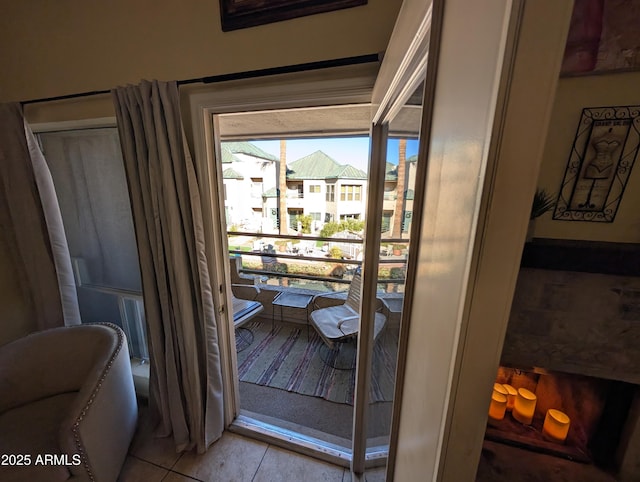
{"x":233,"y":458}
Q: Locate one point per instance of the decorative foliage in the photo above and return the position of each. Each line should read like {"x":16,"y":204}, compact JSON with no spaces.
{"x":542,"y":203}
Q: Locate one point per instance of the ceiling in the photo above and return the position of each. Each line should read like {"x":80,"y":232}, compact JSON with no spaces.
{"x":342,"y":120}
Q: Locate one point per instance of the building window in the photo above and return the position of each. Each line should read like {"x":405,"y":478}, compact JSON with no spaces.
{"x":314,"y":188}
{"x":315,"y":216}
{"x":386,"y":221}
{"x":294,"y":217}
{"x":350,"y":192}
{"x":344,"y":217}
{"x":256,"y":187}
{"x":331,"y":193}
{"x":87,"y":170}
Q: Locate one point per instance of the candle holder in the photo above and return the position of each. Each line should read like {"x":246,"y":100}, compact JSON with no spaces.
{"x":498,"y":407}
{"x":500,"y":388}
{"x":512,"y":393}
{"x":556,"y":426}
{"x":524,"y":406}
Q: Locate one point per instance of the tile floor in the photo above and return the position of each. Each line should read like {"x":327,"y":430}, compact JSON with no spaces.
{"x":233,"y":458}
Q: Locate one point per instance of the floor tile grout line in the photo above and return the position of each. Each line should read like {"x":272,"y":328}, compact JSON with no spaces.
{"x":185,"y":475}
{"x":260,"y":464}
{"x":148,"y":461}
{"x":177,"y":460}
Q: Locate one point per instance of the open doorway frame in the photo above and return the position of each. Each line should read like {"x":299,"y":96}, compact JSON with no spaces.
{"x":433,"y":435}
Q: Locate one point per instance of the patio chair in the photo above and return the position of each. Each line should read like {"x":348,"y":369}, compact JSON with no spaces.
{"x":338,"y":324}
{"x":245,"y":308}
{"x":237,"y":278}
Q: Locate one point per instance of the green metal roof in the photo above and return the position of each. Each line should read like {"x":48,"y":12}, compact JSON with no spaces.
{"x":413,"y":158}
{"x":320,"y":166}
{"x":273,"y":192}
{"x":227,"y":155}
{"x":231,"y":174}
{"x":348,"y":172}
{"x":231,"y":148}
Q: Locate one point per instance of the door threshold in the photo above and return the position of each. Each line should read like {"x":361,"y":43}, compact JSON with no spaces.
{"x":290,"y":440}
{"x":304,"y":444}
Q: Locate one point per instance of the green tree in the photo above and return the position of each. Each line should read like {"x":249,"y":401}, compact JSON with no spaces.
{"x":306,"y":222}
{"x":329,"y":229}
{"x":352,"y":225}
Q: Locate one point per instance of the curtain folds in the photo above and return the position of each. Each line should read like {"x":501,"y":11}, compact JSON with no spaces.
{"x":32,"y":224}
{"x":186,"y":380}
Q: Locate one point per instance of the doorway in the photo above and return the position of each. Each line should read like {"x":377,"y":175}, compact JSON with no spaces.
{"x":290,"y":378}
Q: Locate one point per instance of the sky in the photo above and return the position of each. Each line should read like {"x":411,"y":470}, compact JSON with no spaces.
{"x":345,"y":150}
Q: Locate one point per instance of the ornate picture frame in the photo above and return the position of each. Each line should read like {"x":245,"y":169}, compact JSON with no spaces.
{"x":237,"y":14}
{"x":602,"y":156}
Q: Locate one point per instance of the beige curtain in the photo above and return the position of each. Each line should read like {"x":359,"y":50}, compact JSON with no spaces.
{"x":32,"y":225}
{"x":186,"y":381}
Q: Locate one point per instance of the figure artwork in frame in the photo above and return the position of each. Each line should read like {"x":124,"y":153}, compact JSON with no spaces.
{"x":602,"y":156}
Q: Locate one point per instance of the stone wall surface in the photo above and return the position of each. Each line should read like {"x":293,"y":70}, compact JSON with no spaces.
{"x":582,"y":323}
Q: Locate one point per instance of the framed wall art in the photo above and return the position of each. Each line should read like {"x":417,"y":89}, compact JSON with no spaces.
{"x":602,"y":156}
{"x":603,"y":37}
{"x":236,"y":14}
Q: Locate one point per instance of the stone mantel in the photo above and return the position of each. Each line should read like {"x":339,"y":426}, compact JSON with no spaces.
{"x":575,"y":320}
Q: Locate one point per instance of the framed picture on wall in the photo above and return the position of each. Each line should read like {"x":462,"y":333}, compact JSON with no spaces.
{"x":602,"y":156}
{"x":603,"y":37}
{"x":237,"y":14}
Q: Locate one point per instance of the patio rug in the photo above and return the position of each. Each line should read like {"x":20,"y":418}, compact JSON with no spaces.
{"x":285,"y":359}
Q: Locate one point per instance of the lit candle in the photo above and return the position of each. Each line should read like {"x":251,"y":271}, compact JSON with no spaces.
{"x":524,"y":406}
{"x":512,"y":393}
{"x":556,"y":425}
{"x":498,"y":406}
{"x":500,"y":388}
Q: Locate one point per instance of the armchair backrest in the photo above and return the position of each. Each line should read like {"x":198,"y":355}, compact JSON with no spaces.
{"x":236,"y":276}
{"x":355,"y":293}
{"x":53,"y":361}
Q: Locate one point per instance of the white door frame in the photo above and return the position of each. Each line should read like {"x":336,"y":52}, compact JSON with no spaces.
{"x":489,"y":91}
{"x":341,"y":85}
{"x":475,"y":100}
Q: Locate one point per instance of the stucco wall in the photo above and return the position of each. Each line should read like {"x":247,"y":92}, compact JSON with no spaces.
{"x":54,"y":48}
{"x":57,"y":48}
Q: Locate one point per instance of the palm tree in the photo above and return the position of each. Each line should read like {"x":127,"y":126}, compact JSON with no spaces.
{"x":399,"y":209}
{"x":282,"y":189}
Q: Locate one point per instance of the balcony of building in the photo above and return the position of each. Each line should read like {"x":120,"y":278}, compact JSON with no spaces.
{"x":286,"y":372}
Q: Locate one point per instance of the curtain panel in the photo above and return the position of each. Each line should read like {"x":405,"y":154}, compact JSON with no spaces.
{"x":32,"y":225}
{"x":185,"y":386}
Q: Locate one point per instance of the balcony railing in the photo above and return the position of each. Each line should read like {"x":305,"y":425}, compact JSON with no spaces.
{"x":279,"y":257}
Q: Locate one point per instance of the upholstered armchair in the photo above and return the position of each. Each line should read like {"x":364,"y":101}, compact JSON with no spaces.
{"x":67,"y":398}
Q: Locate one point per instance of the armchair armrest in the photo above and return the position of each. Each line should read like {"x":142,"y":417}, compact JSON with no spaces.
{"x":347,"y":319}
{"x":245,"y":292}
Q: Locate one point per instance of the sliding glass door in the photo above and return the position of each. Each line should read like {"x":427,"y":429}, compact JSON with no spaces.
{"x":398,"y":193}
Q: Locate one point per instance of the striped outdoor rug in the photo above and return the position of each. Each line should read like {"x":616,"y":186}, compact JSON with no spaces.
{"x":285,"y":359}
